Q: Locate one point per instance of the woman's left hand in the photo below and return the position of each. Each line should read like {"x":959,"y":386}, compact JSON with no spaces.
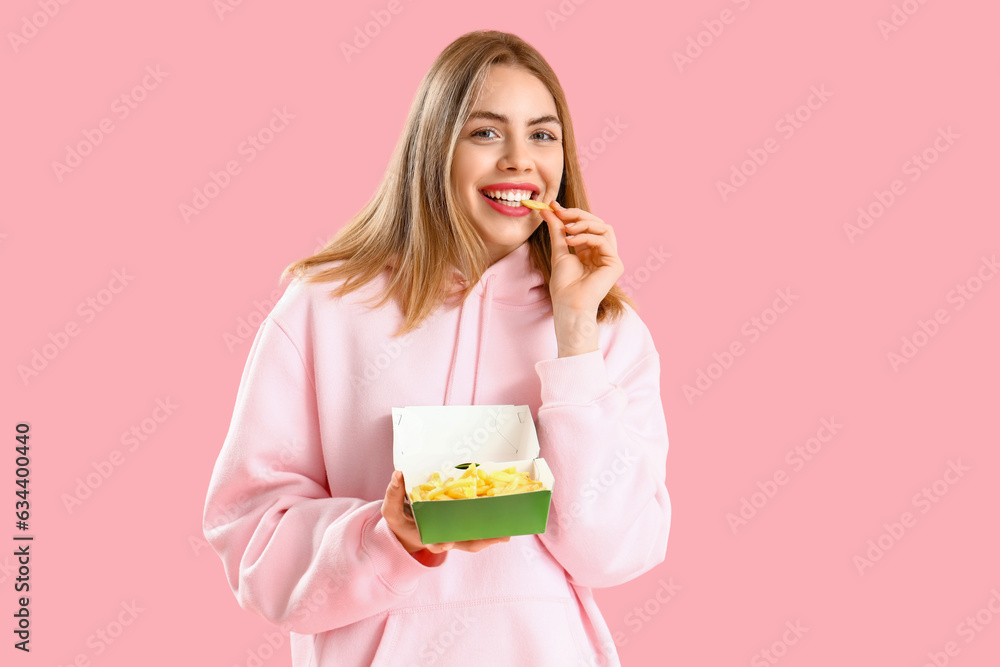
{"x":580,"y":282}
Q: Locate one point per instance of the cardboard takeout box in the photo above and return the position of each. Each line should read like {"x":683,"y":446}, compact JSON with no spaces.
{"x":429,"y":439}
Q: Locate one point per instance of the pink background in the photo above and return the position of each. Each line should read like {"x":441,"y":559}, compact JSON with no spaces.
{"x":177,"y":330}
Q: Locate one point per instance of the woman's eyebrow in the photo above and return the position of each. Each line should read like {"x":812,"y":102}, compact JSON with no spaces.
{"x":500,"y":118}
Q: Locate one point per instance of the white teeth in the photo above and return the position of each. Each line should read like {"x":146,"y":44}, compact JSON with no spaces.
{"x":513,"y":196}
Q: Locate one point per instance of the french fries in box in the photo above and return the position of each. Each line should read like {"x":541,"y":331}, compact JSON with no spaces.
{"x":471,"y":472}
{"x":475,"y":483}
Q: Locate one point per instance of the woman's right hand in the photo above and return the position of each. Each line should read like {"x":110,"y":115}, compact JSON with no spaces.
{"x":405,"y":527}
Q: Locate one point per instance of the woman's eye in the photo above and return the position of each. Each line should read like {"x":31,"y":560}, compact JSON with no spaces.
{"x":545,"y":133}
{"x":486,"y":131}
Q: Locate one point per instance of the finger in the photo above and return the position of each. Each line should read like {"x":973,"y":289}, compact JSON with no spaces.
{"x":597,"y":241}
{"x":490,"y":543}
{"x":593,"y":226}
{"x":567,"y":214}
{"x":582,"y":221}
{"x":474,"y":546}
{"x":395,"y":487}
{"x":557,"y":235}
{"x":589,"y":226}
{"x":395,"y":499}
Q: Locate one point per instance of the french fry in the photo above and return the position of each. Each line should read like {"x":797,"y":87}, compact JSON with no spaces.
{"x":537,"y":205}
{"x":475,"y":483}
{"x":512,"y":484}
{"x":436,"y":493}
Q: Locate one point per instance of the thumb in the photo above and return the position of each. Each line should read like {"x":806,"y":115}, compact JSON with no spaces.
{"x":395,"y":484}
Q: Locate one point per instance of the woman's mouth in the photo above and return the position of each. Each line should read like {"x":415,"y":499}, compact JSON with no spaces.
{"x":508,"y":202}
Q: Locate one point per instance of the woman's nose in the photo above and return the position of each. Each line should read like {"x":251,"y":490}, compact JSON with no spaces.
{"x":515,"y":156}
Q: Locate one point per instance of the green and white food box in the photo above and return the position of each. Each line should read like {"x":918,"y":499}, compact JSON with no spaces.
{"x":429,"y":439}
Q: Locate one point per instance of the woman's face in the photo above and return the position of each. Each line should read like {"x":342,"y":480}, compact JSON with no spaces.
{"x":512,"y":141}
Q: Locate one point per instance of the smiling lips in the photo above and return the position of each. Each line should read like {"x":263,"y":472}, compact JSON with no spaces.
{"x":507,"y":197}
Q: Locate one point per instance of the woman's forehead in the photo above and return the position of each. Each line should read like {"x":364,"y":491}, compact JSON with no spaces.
{"x":512,"y":94}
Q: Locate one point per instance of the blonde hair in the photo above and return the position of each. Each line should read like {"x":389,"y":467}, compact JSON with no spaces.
{"x":414,"y":222}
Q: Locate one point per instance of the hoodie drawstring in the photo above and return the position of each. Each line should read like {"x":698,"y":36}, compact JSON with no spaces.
{"x":487,"y":307}
{"x":481,"y":352}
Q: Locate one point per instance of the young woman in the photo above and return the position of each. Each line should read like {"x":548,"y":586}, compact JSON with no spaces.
{"x":479,"y":302}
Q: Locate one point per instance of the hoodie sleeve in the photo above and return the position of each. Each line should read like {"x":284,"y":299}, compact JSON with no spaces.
{"x":605,"y":440}
{"x":292,"y":553}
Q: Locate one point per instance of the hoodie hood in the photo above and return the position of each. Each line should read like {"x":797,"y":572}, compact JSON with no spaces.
{"x":512,"y":283}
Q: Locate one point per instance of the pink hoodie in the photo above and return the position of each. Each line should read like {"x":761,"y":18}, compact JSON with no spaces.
{"x":294,"y":503}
